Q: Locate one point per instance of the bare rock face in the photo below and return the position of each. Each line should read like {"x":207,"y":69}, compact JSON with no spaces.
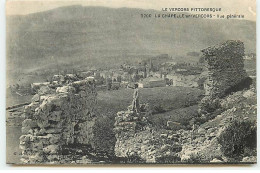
{"x":56,"y":120}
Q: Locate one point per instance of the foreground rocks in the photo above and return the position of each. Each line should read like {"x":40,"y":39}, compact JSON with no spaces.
{"x":139,"y":143}
{"x":58,"y":118}
{"x":203,"y":146}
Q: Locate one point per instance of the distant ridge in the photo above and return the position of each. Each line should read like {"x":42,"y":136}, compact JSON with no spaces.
{"x":95,"y":34}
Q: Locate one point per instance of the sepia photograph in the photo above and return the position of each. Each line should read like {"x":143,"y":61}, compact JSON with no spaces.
{"x":131,"y":82}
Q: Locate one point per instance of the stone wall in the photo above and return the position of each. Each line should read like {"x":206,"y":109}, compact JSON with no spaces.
{"x":225,"y":66}
{"x":58,"y":119}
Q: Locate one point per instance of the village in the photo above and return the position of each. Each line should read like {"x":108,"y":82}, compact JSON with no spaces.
{"x":157,"y":71}
{"x":147,"y":74}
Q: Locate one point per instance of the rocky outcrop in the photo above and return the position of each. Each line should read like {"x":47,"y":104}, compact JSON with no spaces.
{"x":58,"y":118}
{"x":203,"y":146}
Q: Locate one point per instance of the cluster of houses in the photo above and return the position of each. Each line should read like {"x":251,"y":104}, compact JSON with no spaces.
{"x":146,"y":75}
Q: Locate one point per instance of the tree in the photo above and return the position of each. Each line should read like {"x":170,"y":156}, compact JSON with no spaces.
{"x":119,"y":78}
{"x":145,"y":73}
{"x":202,"y":60}
{"x":108,"y":83}
{"x":104,"y":136}
{"x":239,"y":139}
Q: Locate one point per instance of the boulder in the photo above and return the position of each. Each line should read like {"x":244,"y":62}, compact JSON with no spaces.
{"x":199,"y":140}
{"x":26,"y":138}
{"x":77,"y":84}
{"x":65,"y":89}
{"x":251,"y":159}
{"x":43,"y":123}
{"x":248,"y":94}
{"x":55,"y":116}
{"x":36,"y":98}
{"x":29,"y":123}
{"x":36,"y":86}
{"x":51,"y":149}
{"x":210,"y":130}
{"x":202,"y":131}
{"x":216,"y":161}
{"x":163,"y":135}
{"x":45,"y":90}
{"x":90,"y":79}
{"x":58,"y":78}
{"x":173,"y":125}
{"x":70,"y":77}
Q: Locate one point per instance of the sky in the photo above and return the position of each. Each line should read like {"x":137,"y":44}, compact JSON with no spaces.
{"x":246,"y":7}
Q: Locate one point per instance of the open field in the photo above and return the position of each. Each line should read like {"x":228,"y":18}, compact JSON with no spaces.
{"x":160,"y":99}
{"x":181,"y":115}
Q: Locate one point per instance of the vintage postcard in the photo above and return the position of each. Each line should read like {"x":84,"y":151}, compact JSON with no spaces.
{"x":119,"y":82}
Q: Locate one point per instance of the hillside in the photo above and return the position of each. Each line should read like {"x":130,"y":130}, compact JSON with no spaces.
{"x":104,"y":37}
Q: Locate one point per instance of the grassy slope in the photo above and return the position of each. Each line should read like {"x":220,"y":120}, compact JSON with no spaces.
{"x":181,"y":115}
{"x":168,"y":98}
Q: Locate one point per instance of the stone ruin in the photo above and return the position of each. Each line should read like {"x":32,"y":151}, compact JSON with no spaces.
{"x":58,"y":120}
{"x":137,"y":140}
{"x":225,"y":66}
{"x":226,"y":74}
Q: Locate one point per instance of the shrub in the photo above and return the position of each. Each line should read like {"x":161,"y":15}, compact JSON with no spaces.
{"x":239,"y":139}
{"x":244,"y":84}
{"x":207,"y":105}
{"x":134,"y":158}
{"x":159,"y":122}
{"x":159,"y":109}
{"x":208,"y":109}
{"x":104,"y":136}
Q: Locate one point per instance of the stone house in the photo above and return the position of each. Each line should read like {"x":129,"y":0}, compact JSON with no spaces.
{"x":152,"y":82}
{"x":184,"y":81}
